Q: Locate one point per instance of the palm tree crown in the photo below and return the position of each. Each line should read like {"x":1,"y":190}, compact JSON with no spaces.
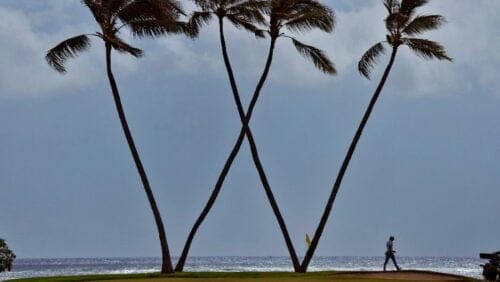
{"x":402,"y":24}
{"x":143,"y":17}
{"x":300,"y":16}
{"x":242,"y":14}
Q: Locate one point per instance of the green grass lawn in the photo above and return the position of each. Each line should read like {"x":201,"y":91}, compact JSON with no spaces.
{"x":239,"y":276}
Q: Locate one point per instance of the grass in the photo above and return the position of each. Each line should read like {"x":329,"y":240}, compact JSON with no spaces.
{"x":235,"y":276}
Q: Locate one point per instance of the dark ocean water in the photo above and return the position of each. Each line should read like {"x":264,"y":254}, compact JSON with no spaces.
{"x":77,"y":266}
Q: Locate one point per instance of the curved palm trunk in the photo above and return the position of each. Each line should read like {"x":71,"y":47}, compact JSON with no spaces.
{"x":234,"y":152}
{"x":227,"y":166}
{"x":345,"y":164}
{"x":258,"y":164}
{"x":253,"y":147}
{"x":166,"y":260}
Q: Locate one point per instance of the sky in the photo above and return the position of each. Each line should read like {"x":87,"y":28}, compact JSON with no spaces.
{"x":425,"y":171}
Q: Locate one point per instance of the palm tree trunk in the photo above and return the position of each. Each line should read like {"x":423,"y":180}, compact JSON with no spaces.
{"x":234,"y":152}
{"x":345,"y":164}
{"x":227,"y":166}
{"x":253,"y":147}
{"x":258,"y":164}
{"x":166,"y":260}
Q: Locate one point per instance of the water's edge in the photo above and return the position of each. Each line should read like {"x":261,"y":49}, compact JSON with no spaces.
{"x":81,"y":266}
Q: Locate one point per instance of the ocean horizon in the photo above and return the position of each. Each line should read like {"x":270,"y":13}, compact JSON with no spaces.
{"x":39,"y":267}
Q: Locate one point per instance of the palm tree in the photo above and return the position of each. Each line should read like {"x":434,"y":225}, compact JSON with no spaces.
{"x":297,"y":16}
{"x":241,"y":14}
{"x":143,"y":17}
{"x":401,"y":24}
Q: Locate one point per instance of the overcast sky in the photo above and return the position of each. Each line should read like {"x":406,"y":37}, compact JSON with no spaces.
{"x":426,"y":169}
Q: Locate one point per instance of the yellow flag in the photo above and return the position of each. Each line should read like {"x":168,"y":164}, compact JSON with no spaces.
{"x":308,"y":241}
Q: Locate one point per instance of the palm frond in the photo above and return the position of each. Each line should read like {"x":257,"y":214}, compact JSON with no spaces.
{"x":423,"y":23}
{"x":69,"y":48}
{"x":163,"y":11}
{"x":172,"y":5}
{"x":253,"y":10}
{"x":322,"y":19}
{"x":427,"y":49}
{"x":95,"y":9}
{"x":369,"y":59}
{"x":206,"y":5}
{"x":261,"y":33}
{"x":317,"y":56}
{"x":251,"y":5}
{"x":239,"y":22}
{"x":198,"y":19}
{"x":153,"y":28}
{"x":136,"y":10}
{"x":244,"y":23}
{"x":303,"y":5}
{"x":388,"y":5}
{"x":185,"y":28}
{"x":396,"y":21}
{"x":123,"y":47}
{"x":409,"y":6}
{"x":116,"y":5}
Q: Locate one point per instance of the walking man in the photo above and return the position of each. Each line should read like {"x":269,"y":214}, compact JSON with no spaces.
{"x":389,"y":253}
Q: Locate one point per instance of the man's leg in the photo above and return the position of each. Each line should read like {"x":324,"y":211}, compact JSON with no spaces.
{"x":386,"y":260}
{"x":395,"y":263}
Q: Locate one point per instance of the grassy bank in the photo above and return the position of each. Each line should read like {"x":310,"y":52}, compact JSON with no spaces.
{"x":259,"y":277}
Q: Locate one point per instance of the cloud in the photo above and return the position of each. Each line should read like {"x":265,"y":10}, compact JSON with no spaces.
{"x":248,"y":54}
{"x":24,"y":71}
{"x":470,"y":39}
{"x":182,"y":56}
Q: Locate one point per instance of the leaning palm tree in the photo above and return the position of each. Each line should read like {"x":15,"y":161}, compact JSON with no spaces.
{"x":401,"y":24}
{"x":151,"y":17}
{"x":296,"y":16}
{"x":242,"y":14}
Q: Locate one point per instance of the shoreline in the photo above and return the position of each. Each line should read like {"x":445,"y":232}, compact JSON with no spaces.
{"x":57,"y":267}
{"x":351,"y":276}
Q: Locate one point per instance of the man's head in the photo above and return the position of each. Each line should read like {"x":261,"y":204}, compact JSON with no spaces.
{"x":391,"y":238}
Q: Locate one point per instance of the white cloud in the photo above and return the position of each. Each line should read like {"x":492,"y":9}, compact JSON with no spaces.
{"x":180,"y":56}
{"x":470,"y":39}
{"x":24,"y":71}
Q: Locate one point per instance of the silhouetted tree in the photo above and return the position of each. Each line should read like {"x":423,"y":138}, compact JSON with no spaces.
{"x":295,"y":16}
{"x":243,"y":14}
{"x":7,"y":257}
{"x":401,"y":24}
{"x":144,"y":18}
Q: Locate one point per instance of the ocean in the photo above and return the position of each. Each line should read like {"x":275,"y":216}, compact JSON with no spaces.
{"x":77,"y":266}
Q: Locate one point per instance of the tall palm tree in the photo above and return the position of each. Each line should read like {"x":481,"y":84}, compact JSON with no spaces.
{"x":401,"y":24}
{"x":242,"y":14}
{"x":143,"y":17}
{"x":296,"y":16}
